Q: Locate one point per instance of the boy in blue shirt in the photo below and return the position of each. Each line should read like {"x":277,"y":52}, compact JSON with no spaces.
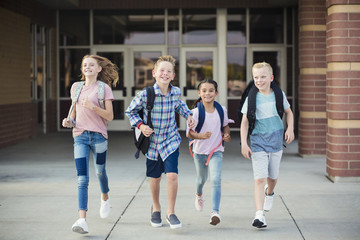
{"x":165,"y":139}
{"x":266,"y":140}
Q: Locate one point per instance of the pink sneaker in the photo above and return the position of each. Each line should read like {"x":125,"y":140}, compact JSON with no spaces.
{"x":199,"y":202}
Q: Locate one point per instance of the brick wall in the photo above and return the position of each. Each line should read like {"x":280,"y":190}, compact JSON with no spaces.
{"x":18,"y":114}
{"x":343,"y":89}
{"x":312,"y":79}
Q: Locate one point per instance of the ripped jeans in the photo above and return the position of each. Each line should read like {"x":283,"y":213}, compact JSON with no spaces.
{"x":82,"y":145}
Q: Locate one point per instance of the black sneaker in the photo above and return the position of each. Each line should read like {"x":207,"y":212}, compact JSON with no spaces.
{"x":155,"y":219}
{"x":259,"y":220}
{"x":173,"y":221}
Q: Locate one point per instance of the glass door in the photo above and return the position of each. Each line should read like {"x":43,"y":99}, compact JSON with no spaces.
{"x":196,"y":64}
{"x":142,"y":62}
{"x":120,"y":91}
{"x":135,"y":72}
{"x":275,"y":57}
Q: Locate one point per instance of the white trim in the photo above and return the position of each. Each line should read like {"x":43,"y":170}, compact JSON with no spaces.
{"x":221,"y":77}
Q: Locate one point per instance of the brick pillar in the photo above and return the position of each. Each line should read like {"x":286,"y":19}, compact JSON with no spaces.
{"x":343,"y":90}
{"x":312,"y":79}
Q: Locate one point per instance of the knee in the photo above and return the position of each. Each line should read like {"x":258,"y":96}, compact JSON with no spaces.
{"x":83,"y":181}
{"x":200,"y":180}
{"x":260,"y":181}
{"x":171,"y":177}
{"x":216,"y":181}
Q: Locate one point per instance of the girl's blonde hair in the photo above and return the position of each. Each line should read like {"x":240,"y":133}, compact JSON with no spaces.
{"x":263,"y":64}
{"x":165,"y":58}
{"x":109,"y":72}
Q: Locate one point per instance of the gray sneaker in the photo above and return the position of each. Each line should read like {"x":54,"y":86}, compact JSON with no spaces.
{"x":173,"y":221}
{"x":155,"y":219}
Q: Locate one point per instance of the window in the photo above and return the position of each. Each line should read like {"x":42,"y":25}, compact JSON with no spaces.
{"x":130,"y":27}
{"x":236,"y":71}
{"x":199,"y":27}
{"x":266,"y":26}
{"x":236,"y":26}
{"x":173,"y":27}
{"x":70,"y":68}
{"x":74,"y":28}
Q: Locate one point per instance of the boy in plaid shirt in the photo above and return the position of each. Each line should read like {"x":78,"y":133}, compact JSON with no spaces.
{"x":165,"y":139}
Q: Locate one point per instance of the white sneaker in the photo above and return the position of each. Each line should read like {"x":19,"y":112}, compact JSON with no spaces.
{"x":268,"y":201}
{"x":199,"y":202}
{"x":259,"y":220}
{"x":215,"y":218}
{"x":80,"y":226}
{"x":105,"y":208}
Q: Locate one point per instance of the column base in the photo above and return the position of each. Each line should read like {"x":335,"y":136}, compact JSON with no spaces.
{"x":337,"y":179}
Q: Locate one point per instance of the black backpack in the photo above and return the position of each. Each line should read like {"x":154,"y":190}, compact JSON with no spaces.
{"x":141,"y":142}
{"x":250,"y":92}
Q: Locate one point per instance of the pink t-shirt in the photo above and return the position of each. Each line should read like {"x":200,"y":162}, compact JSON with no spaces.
{"x":86,"y":119}
{"x":211,"y":124}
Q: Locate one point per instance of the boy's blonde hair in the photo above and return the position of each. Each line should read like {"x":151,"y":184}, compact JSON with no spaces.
{"x":109,"y":73}
{"x":165,"y":58}
{"x":262,"y":65}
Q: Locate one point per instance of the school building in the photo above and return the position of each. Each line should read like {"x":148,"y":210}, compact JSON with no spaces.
{"x":312,"y":45}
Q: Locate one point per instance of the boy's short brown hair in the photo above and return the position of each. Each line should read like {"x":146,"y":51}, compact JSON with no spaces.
{"x":165,"y":58}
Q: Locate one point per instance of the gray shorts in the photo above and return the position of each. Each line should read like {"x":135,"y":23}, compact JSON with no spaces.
{"x":266,"y":164}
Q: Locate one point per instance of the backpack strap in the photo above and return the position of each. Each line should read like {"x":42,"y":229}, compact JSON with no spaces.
{"x":251,"y":113}
{"x":101,"y":94}
{"x":78,"y":88}
{"x":150,"y":93}
{"x":243,"y":98}
{"x":279,"y":99}
{"x":220,"y":111}
{"x":201,"y":119}
{"x":75,"y":97}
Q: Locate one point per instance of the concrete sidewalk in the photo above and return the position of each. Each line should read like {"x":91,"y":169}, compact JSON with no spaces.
{"x":38,"y":196}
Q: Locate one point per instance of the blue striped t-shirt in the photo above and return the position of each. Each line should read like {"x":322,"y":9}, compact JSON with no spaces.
{"x":269,"y":129}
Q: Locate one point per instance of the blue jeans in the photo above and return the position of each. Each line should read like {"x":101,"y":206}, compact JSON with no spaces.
{"x":214,"y":169}
{"x":82,"y":145}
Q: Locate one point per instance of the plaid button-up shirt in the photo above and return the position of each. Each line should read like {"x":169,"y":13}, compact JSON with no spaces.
{"x":166,"y":138}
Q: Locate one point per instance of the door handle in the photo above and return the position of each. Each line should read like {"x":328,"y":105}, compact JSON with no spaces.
{"x":185,"y":91}
{"x":124,"y":91}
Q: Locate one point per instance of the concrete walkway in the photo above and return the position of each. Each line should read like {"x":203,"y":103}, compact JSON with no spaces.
{"x":38,"y":196}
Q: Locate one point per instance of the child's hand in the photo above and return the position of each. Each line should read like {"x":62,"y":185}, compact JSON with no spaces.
{"x":87,"y":104}
{"x":245,"y":150}
{"x":227,"y":137}
{"x":289,"y":136}
{"x":190,"y":122}
{"x":67,"y":122}
{"x":205,"y":135}
{"x":146,"y":130}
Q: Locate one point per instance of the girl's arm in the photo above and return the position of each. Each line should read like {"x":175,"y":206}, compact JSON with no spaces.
{"x":106,"y":113}
{"x":70,"y":122}
{"x":193,"y":135}
{"x":227,"y":136}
